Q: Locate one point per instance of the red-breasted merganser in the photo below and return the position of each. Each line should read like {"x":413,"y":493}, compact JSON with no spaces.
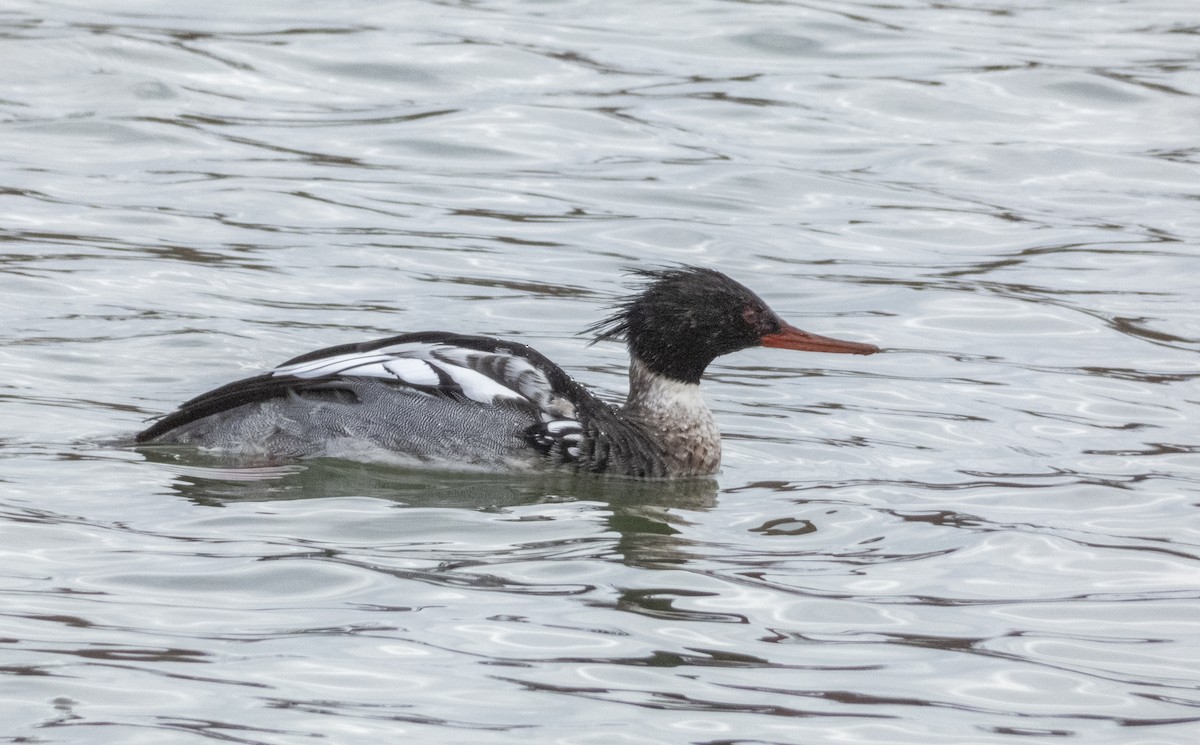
{"x":452,"y":401}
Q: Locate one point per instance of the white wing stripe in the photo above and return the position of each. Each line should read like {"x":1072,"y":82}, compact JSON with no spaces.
{"x":476,"y":386}
{"x":413,"y":372}
{"x":331,"y":365}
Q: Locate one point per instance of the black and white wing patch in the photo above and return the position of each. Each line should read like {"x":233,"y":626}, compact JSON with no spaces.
{"x":489,"y":372}
{"x":560,"y":440}
{"x":422,"y":367}
{"x":471,"y":369}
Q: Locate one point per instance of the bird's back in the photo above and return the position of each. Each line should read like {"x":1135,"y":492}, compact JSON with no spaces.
{"x":427,"y":398}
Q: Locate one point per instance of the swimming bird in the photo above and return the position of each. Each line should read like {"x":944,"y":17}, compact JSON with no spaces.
{"x":454,"y":401}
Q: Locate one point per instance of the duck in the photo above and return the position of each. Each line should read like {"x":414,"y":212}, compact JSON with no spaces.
{"x":462,"y":402}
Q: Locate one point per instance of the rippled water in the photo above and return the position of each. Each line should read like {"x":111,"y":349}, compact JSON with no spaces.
{"x":987,"y":535}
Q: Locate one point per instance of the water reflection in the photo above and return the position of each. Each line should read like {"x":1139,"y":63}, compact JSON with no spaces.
{"x":643,"y":515}
{"x":203,"y":477}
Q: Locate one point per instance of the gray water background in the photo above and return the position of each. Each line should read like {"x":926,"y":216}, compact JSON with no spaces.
{"x":986,"y":535}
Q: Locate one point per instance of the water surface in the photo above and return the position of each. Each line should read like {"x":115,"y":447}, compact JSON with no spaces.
{"x":986,"y":535}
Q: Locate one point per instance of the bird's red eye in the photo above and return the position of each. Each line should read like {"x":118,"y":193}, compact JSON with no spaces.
{"x":756,"y":319}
